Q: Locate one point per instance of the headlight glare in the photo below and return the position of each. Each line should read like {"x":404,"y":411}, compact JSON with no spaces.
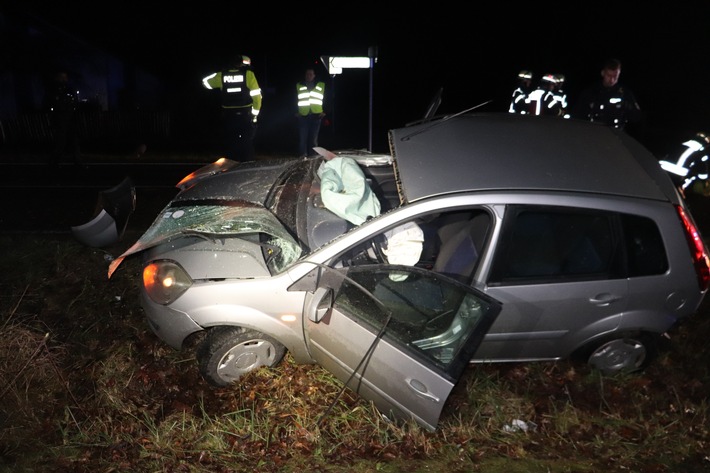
{"x":164,"y":281}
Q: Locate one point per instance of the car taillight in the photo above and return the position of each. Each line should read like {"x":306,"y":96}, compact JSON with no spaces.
{"x":164,"y":281}
{"x":697,"y":249}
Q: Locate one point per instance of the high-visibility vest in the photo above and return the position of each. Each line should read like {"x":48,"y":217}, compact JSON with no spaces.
{"x":239,"y":88}
{"x":310,"y":101}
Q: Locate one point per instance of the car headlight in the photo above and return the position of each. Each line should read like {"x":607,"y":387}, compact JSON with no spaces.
{"x":164,"y":281}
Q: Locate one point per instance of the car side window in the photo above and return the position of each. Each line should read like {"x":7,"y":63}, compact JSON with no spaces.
{"x":414,"y":309}
{"x":450,"y":243}
{"x":644,"y":246}
{"x":551,"y":244}
{"x":554,"y":243}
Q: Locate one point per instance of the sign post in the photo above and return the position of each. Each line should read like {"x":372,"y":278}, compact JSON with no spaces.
{"x":336,"y":65}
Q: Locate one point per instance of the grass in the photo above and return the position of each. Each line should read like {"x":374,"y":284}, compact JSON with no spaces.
{"x":86,"y":387}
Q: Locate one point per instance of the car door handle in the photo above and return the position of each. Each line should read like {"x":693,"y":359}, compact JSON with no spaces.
{"x":421,"y":389}
{"x":604,"y":299}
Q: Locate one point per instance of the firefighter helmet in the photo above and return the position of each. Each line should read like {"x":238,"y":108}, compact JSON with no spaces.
{"x":525,"y":75}
{"x":549,"y":79}
{"x":553,"y":81}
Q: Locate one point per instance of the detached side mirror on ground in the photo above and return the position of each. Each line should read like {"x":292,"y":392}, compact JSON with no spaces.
{"x":113,"y":209}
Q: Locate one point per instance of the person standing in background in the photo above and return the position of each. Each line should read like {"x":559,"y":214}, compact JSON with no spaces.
{"x":62,"y":105}
{"x":554,"y":101}
{"x":310,"y":96}
{"x":521,"y":92}
{"x":241,"y":103}
{"x":608,"y":101}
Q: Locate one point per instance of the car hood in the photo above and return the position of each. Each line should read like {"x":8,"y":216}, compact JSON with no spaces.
{"x":207,"y":208}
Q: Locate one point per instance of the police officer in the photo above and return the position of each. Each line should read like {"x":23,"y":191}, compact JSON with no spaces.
{"x":241,"y":102}
{"x":608,"y":101}
{"x":310,"y":96}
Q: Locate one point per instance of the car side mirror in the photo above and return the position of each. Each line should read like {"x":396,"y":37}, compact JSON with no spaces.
{"x":324,"y":307}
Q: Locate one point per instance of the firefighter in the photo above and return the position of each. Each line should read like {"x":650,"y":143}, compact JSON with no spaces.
{"x":554,"y":100}
{"x":688,"y":167}
{"x":517,"y":101}
{"x":533,"y":101}
{"x":241,"y":102}
{"x":310,"y":96}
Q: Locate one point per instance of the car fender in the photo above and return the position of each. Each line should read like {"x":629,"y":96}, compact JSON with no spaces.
{"x":288,"y":333}
{"x":599,"y":329}
{"x":651,"y":321}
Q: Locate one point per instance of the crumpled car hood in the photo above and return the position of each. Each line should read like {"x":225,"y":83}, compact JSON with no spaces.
{"x":209,"y":208}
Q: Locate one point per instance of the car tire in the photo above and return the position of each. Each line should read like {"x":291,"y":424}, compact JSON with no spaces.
{"x":622,"y":353}
{"x":227,"y":353}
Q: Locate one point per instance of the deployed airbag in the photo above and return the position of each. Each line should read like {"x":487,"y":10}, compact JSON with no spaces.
{"x":345,"y":191}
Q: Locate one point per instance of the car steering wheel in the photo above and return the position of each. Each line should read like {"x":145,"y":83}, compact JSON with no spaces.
{"x":377,"y":242}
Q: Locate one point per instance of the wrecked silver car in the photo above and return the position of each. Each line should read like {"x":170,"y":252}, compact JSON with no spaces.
{"x":481,"y":238}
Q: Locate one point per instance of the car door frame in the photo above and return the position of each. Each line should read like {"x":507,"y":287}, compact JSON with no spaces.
{"x":401,"y":381}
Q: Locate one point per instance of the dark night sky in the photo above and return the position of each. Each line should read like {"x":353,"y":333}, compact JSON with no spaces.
{"x":474,"y":53}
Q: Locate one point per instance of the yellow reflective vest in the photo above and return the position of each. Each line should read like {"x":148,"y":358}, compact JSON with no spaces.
{"x":310,"y":100}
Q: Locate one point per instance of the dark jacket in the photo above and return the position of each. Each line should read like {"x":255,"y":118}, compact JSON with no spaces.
{"x":616,"y":106}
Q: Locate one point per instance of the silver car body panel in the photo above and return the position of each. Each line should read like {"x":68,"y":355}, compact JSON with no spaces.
{"x":231,"y":258}
{"x":260,"y":304}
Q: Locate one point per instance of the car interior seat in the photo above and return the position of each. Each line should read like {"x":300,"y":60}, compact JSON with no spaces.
{"x":462,"y":241}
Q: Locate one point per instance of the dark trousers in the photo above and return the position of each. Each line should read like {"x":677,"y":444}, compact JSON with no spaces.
{"x":308,"y":129}
{"x":238,"y":133}
{"x":66,"y":136}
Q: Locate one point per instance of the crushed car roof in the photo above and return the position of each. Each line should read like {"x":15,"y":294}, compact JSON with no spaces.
{"x":506,"y":151}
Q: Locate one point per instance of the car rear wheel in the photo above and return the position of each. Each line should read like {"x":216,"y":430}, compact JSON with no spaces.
{"x":229,"y":352}
{"x":622,"y":353}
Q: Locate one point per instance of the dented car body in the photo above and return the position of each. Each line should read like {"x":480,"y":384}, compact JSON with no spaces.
{"x":525,"y":239}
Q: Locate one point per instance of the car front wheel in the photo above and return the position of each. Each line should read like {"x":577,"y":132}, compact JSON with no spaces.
{"x":622,"y":354}
{"x":229,"y":352}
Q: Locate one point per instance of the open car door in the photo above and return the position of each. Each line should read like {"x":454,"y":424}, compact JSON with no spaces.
{"x":399,"y":336}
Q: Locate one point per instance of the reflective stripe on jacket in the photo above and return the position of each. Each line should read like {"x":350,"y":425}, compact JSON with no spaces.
{"x":239,"y":89}
{"x":310,"y":101}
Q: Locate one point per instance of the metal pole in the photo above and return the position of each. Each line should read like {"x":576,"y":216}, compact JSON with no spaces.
{"x":369,"y":142}
{"x":332,"y":107}
{"x":372,"y":53}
